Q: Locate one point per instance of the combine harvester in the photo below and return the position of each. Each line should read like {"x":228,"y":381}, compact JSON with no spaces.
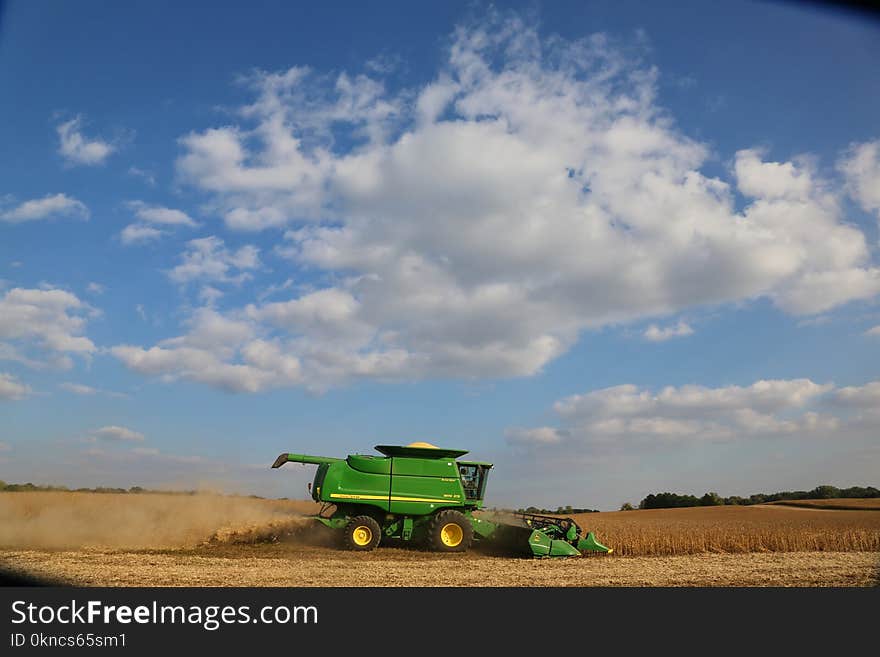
{"x":419,"y":492}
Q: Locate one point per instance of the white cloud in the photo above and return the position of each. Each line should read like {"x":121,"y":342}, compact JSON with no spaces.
{"x":627,"y":416}
{"x":208,"y":259}
{"x":655,"y":333}
{"x":209,"y":295}
{"x":115,"y":433}
{"x":76,"y":148}
{"x":49,"y":322}
{"x":78,"y":388}
{"x":53,"y":205}
{"x":199,"y":365}
{"x":82,"y":389}
{"x":139,"y":234}
{"x":149,"y":217}
{"x":327,"y":312}
{"x":12,"y":389}
{"x":771,"y":180}
{"x":384,"y":63}
{"x":157,"y":214}
{"x":203,"y":355}
{"x":817,"y":292}
{"x":873,"y":332}
{"x":867,"y":396}
{"x":271,"y":290}
{"x":147,"y":176}
{"x":96,"y":288}
{"x":475,"y":227}
{"x":535,"y":436}
{"x":860,"y":166}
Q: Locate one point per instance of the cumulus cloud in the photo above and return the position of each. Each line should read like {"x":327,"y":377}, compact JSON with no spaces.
{"x":208,"y":259}
{"x":655,"y":333}
{"x":149,"y":217}
{"x":139,"y":234}
{"x":12,"y":389}
{"x":46,"y":322}
{"x":157,"y":214}
{"x":476,"y":226}
{"x":867,"y":396}
{"x":78,"y":149}
{"x":861,"y":167}
{"x":771,"y":180}
{"x":206,"y":352}
{"x":115,"y":433}
{"x":627,"y":416}
{"x":874,"y":332}
{"x":53,"y":205}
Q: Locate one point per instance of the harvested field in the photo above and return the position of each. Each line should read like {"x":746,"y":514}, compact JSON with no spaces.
{"x":179,"y":540}
{"x":302,"y":565}
{"x":734,"y":529}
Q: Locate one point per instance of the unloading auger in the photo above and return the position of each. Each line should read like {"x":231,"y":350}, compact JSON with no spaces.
{"x":419,"y":492}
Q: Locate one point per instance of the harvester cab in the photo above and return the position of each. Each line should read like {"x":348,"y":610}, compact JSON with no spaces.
{"x":422,"y":493}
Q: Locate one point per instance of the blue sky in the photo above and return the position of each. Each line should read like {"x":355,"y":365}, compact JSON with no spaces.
{"x":614,"y":248}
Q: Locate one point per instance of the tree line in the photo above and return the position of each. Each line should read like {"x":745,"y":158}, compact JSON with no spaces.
{"x":560,"y":510}
{"x":674,"y":500}
{"x":134,"y":490}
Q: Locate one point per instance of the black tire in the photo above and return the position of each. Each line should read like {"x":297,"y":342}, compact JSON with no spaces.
{"x":450,"y":531}
{"x":361,"y":534}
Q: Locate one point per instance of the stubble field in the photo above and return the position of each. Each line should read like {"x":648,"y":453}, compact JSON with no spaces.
{"x":205,"y":540}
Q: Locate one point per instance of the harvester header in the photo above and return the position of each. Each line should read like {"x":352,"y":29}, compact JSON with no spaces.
{"x":420,"y":492}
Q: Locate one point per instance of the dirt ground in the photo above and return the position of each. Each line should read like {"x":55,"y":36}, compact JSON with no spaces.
{"x":309,"y":565}
{"x":163,"y":540}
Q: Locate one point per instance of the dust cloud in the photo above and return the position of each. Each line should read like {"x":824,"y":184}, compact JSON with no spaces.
{"x":61,"y":520}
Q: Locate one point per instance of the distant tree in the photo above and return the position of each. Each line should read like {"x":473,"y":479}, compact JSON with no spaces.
{"x":626,"y":506}
{"x":824,"y":492}
{"x":860,"y":491}
{"x":668,"y":501}
{"x":711,"y":499}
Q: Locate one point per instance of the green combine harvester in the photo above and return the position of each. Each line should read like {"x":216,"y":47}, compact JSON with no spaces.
{"x":419,"y":492}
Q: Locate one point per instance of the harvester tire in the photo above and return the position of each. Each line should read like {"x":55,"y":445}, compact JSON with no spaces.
{"x":450,"y":531}
{"x":362,"y":534}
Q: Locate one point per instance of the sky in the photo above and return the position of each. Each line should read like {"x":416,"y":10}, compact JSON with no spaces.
{"x":612,"y":248}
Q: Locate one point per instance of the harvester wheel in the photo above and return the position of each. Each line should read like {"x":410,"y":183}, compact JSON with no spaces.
{"x":450,"y":531}
{"x":361,"y":533}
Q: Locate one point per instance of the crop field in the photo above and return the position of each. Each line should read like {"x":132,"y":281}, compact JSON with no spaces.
{"x":736,"y":529}
{"x":204,"y":540}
